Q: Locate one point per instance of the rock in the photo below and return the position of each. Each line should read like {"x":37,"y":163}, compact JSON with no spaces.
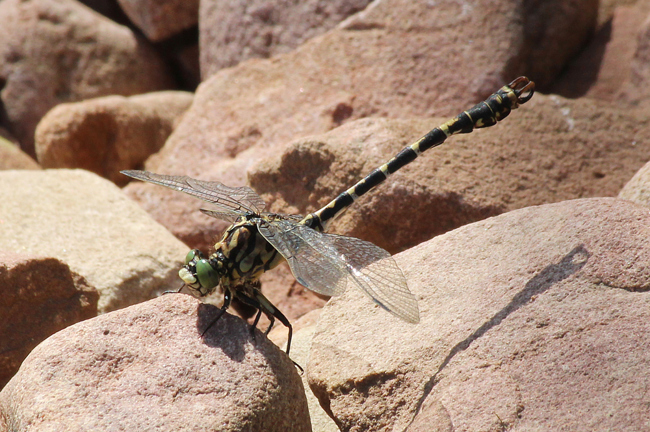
{"x":638,"y":188}
{"x":109,"y":8}
{"x":634,"y":89}
{"x":602,"y":70}
{"x":386,"y":61}
{"x":231,"y":32}
{"x":87,"y":56}
{"x":108,"y":134}
{"x":161,"y":20}
{"x":148,"y":368}
{"x":12,"y":157}
{"x":518,"y":312}
{"x":40,"y":296}
{"x":549,"y":150}
{"x":87,"y":223}
{"x":303,"y":331}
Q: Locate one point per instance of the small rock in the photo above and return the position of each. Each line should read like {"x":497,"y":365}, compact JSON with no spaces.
{"x":635,"y":88}
{"x":638,"y":188}
{"x":148,"y":368}
{"x":518,"y":313}
{"x":108,"y":134}
{"x":56,"y":51}
{"x":87,"y":222}
{"x":160,"y":20}
{"x":12,"y":157}
{"x":40,"y":296}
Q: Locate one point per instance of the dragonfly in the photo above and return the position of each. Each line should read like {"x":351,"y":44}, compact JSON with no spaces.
{"x":258,"y":241}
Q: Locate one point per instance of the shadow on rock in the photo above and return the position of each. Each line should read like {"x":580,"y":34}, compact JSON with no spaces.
{"x":229,"y":333}
{"x":552,"y":274}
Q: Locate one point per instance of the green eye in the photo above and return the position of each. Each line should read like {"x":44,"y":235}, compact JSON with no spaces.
{"x":192,"y":255}
{"x":207,"y":276}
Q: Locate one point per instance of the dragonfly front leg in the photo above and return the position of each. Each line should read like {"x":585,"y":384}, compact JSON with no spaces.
{"x":174,"y":291}
{"x":227,"y":298}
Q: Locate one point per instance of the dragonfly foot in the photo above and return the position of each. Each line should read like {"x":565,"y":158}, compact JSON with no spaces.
{"x":174,"y":291}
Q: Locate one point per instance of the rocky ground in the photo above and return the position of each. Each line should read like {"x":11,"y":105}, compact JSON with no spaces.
{"x":527,"y":245}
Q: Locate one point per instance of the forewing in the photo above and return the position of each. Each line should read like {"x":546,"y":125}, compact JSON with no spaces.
{"x":231,"y":201}
{"x":227,"y":216}
{"x":326,"y":263}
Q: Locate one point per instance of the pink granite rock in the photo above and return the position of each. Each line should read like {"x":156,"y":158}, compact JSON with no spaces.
{"x":148,"y":368}
{"x":108,"y":134}
{"x":56,"y":51}
{"x":604,"y":68}
{"x":231,"y":32}
{"x":161,"y":20}
{"x":638,"y":188}
{"x":12,"y":157}
{"x":537,"y":319}
{"x":40,"y":296}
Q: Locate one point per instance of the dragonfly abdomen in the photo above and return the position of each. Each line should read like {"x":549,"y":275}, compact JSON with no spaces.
{"x":484,"y":114}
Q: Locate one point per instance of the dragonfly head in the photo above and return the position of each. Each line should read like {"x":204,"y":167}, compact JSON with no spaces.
{"x":201,"y":275}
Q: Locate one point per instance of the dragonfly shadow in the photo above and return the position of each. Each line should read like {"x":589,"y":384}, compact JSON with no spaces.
{"x":552,"y":274}
{"x":229,"y":333}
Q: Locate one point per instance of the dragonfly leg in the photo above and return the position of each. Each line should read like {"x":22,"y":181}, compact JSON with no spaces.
{"x":257,"y":320}
{"x":244,"y":298}
{"x":277,"y":314}
{"x":174,"y":291}
{"x":256,"y":299}
{"x":272,"y":313}
{"x":268,"y":329}
{"x":226,"y":303}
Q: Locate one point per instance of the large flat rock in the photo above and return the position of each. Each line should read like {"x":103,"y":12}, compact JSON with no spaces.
{"x":537,"y":319}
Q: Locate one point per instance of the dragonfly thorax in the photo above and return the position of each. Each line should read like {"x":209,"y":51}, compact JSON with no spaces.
{"x":241,"y":256}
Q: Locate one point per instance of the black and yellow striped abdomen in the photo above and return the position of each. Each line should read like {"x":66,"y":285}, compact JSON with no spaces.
{"x":484,"y":114}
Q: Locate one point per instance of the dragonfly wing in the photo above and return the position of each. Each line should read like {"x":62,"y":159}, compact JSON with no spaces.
{"x":233,"y":201}
{"x":314,"y":262}
{"x":326,"y":263}
{"x":225,"y":216}
{"x":374,"y":270}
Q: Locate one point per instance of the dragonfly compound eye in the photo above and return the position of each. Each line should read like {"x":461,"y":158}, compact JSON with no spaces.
{"x":192,"y":256}
{"x":206,"y":274}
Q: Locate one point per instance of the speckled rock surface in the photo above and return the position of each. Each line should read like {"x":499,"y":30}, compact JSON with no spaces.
{"x":89,"y":224}
{"x":147,"y":367}
{"x":536,"y":319}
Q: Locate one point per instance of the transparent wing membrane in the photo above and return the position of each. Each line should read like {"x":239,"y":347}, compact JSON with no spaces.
{"x":231,"y":201}
{"x":327,"y":263}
